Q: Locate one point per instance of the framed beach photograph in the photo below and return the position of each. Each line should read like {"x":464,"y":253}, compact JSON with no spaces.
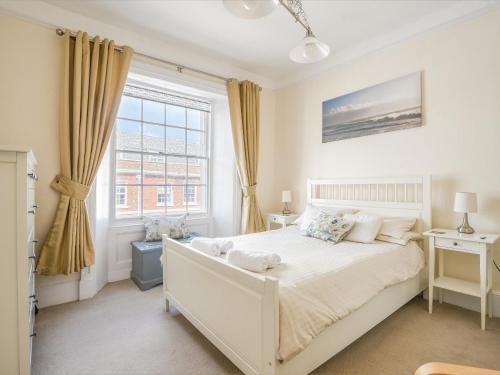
{"x":389,"y":106}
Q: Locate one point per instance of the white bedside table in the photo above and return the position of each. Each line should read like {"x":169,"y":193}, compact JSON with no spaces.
{"x":476,"y":243}
{"x":279,"y":218}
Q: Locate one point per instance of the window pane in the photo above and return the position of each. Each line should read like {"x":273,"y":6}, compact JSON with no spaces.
{"x":129,"y":199}
{"x":194,"y":119}
{"x":130,"y":108}
{"x":176,"y":115}
{"x":176,"y":141}
{"x":152,"y":200}
{"x":128,"y":168}
{"x":154,"y":169}
{"x":197,"y":198}
{"x":153,"y":139}
{"x":178,"y":206}
{"x":128,"y":135}
{"x":153,"y":112}
{"x":197,"y":171}
{"x":176,"y":170}
{"x":195,"y":143}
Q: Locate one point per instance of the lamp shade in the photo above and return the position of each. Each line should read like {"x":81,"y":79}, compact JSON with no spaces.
{"x":250,"y":8}
{"x":309,"y":50}
{"x":465,"y":202}
{"x":286,"y":196}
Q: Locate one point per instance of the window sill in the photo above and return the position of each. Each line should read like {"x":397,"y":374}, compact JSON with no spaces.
{"x":191,"y":219}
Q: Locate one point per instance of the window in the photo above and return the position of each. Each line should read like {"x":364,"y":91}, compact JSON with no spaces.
{"x":161,"y":153}
{"x":190,"y":194}
{"x":121,"y":197}
{"x":164,"y":196}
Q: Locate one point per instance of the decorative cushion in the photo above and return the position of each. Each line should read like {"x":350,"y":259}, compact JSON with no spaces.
{"x":312,"y":212}
{"x":329,"y":228}
{"x":175,"y":227}
{"x":365,"y":229}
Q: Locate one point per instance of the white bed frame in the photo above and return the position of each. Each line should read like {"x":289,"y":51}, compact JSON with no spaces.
{"x":238,"y":311}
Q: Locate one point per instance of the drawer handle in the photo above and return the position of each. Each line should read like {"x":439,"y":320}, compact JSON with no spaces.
{"x":33,"y":334}
{"x":32,"y":257}
{"x":34,"y":241}
{"x":35,"y":206}
{"x":31,"y":212}
{"x":455,"y":243}
{"x":33,"y":296}
{"x":33,"y":176}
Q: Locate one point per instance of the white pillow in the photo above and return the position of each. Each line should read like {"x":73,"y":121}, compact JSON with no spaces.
{"x":397,"y":226}
{"x":312,"y":212}
{"x":407,"y":237}
{"x":365,"y":229}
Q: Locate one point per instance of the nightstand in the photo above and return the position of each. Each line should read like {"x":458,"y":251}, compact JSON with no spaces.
{"x":279,"y":218}
{"x":476,"y":243}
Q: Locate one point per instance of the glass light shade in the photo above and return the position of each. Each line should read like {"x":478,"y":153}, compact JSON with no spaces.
{"x":465,"y":202}
{"x":250,"y":8}
{"x":309,"y":50}
{"x":286,"y":196}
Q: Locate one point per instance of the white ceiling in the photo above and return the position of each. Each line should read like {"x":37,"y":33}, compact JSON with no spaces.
{"x":261,"y":46}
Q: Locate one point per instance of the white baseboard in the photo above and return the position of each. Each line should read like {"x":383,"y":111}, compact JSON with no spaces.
{"x":118,"y":275}
{"x":466,"y":301}
{"x":55,"y":294}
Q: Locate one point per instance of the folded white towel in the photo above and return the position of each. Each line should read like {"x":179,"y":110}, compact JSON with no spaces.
{"x":212,"y":246}
{"x":256,"y":261}
{"x":206,"y":245}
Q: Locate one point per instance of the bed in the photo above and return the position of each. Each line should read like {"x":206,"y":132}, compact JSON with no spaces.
{"x":239,"y":311}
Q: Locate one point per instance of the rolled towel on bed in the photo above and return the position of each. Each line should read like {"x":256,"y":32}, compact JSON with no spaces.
{"x":206,"y":245}
{"x":212,"y":246}
{"x":256,"y":261}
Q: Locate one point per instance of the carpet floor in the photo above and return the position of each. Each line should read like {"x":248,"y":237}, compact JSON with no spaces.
{"x":124,"y":331}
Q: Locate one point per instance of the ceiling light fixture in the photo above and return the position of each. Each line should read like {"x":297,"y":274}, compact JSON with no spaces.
{"x":309,"y":50}
{"x":250,"y":9}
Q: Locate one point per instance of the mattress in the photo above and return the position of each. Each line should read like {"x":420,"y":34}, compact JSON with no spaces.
{"x":322,"y":282}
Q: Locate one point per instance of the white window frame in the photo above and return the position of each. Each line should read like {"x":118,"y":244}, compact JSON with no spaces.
{"x":207,"y":157}
{"x":125,"y":193}
{"x":167,"y":192}
{"x":195,"y":195}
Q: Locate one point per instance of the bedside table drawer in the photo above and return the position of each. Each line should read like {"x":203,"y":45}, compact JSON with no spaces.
{"x":461,"y":245}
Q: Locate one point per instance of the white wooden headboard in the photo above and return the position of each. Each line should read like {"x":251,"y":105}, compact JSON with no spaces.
{"x":387,"y":196}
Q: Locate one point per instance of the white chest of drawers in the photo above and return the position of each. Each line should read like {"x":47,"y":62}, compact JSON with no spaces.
{"x":17,"y":265}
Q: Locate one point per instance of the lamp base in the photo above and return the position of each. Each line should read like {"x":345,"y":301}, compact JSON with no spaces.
{"x":286,"y":211}
{"x":465,"y":228}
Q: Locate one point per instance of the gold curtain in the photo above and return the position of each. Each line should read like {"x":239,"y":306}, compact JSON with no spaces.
{"x":93,"y":80}
{"x":244,"y":107}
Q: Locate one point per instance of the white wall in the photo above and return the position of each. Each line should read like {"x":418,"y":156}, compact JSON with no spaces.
{"x":458,"y":143}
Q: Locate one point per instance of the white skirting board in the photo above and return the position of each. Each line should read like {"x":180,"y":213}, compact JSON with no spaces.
{"x":55,"y":294}
{"x":466,"y":301}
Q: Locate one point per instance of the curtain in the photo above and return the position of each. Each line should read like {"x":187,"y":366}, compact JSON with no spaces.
{"x":94,"y":75}
{"x":244,"y":108}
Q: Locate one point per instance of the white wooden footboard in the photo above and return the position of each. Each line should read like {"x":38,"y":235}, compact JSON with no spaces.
{"x":235,"y":309}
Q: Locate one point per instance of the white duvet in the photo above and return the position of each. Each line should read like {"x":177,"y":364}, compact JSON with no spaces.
{"x":321,"y":282}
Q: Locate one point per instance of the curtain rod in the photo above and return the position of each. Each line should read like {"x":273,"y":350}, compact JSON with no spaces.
{"x":179,"y":67}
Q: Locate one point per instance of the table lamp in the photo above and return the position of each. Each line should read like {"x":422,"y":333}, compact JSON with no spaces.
{"x":465,"y":203}
{"x":286,"y":197}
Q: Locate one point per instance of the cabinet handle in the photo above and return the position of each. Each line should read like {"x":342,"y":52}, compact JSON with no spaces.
{"x":455,"y":243}
{"x":32,"y":257}
{"x":33,"y":176}
{"x":33,"y":296}
{"x":35,"y":206}
{"x":33,"y":334}
{"x":31,"y":212}
{"x":34,"y":241}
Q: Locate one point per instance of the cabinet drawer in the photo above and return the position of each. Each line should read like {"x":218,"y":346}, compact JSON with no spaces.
{"x":461,"y":245}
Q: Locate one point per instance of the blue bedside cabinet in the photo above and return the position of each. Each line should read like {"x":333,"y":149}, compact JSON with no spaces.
{"x":146,"y":267}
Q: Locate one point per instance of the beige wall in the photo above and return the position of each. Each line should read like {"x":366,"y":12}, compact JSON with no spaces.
{"x":29,"y":106}
{"x":458,"y":144}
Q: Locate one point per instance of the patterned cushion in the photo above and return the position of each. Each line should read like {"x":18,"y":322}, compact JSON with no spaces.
{"x":329,"y":228}
{"x":174,"y":227}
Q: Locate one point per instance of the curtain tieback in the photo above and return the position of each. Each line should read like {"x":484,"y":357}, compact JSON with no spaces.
{"x":72,"y":189}
{"x":249,"y":191}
